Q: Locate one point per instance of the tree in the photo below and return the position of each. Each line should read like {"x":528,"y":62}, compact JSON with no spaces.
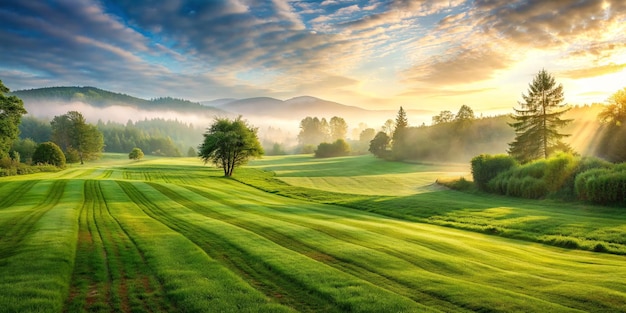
{"x":380,"y":144}
{"x":367,"y":135}
{"x":135,"y":154}
{"x":26,"y":148}
{"x":465,"y":114}
{"x":612,"y":145}
{"x":338,"y":128}
{"x":11,"y":111}
{"x":399,"y":144}
{"x":463,"y":119}
{"x":443,"y":117}
{"x":313,"y":131}
{"x":389,"y":127}
{"x":538,"y":120}
{"x":75,"y":137}
{"x":49,"y":153}
{"x":230,"y":143}
{"x":615,"y":112}
{"x":191,"y":152}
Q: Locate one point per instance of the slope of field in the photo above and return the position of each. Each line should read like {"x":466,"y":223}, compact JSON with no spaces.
{"x":172,"y":235}
{"x":363,"y":175}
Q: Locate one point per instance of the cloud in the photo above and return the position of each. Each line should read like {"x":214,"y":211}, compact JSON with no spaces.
{"x":435,"y":92}
{"x":461,"y":67}
{"x":594,"y":71}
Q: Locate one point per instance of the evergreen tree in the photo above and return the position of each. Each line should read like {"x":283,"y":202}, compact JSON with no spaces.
{"x":399,"y":143}
{"x":538,"y":120}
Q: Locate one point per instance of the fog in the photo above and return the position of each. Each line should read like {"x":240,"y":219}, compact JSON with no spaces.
{"x":115,"y":113}
{"x":436,"y":143}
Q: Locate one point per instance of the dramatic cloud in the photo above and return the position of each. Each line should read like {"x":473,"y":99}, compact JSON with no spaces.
{"x":350,"y":51}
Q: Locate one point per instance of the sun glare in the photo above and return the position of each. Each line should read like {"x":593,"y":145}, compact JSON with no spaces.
{"x":596,"y":89}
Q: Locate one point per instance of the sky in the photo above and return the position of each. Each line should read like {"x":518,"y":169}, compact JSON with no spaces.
{"x":377,"y":54}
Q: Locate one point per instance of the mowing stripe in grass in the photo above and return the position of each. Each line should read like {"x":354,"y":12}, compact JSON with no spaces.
{"x":345,"y":291}
{"x":480,"y":255}
{"x":362,"y":259}
{"x":283,"y":289}
{"x":13,"y":191}
{"x":36,"y":278}
{"x":13,"y":232}
{"x":110,"y":274}
{"x":193,"y":280}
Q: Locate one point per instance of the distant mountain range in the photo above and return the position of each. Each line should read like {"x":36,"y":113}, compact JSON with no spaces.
{"x":301,"y":107}
{"x":292,"y":109}
{"x":103,"y":98}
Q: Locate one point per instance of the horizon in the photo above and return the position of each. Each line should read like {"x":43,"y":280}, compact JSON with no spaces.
{"x":376,"y":54}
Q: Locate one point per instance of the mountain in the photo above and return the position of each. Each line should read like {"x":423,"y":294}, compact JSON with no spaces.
{"x":301,"y":107}
{"x":218,"y":102}
{"x":262,"y":111}
{"x":101,"y":99}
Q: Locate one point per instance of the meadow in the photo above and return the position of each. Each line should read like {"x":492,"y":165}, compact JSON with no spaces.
{"x":166,"y":235}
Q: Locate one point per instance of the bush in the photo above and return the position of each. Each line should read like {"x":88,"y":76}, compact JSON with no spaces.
{"x":602,"y":186}
{"x":335,"y":149}
{"x":136,"y":154}
{"x":485,"y":167}
{"x":49,"y":153}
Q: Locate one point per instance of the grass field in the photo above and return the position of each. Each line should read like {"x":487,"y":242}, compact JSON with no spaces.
{"x":364,"y":175}
{"x":165,"y":235}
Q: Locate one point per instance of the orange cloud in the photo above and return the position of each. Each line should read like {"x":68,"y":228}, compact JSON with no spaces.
{"x":595,"y":71}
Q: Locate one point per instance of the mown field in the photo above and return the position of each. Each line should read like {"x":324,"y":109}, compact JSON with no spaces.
{"x":166,"y":235}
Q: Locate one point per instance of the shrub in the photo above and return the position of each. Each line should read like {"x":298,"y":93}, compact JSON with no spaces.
{"x":335,"y":149}
{"x":602,"y":185}
{"x":485,"y":167}
{"x":49,"y":153}
{"x":136,"y":154}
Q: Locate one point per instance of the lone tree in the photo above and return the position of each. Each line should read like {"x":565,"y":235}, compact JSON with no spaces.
{"x":229,"y":143}
{"x":135,"y":154}
{"x":538,"y":120}
{"x":11,"y":111}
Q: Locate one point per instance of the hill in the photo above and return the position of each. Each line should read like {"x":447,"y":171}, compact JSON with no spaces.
{"x":102,"y":98}
{"x":300,"y":107}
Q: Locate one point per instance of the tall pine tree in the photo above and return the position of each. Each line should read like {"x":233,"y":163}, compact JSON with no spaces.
{"x":399,"y":143}
{"x":538,"y":120}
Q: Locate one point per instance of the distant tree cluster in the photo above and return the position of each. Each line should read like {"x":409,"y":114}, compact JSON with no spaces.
{"x":451,"y":138}
{"x":79,"y":140}
{"x":314,"y":130}
{"x":317,"y":134}
{"x":158,"y":137}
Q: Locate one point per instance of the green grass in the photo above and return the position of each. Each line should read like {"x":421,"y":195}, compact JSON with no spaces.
{"x":564,"y":224}
{"x":168,"y":235}
{"x":364,"y":175}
